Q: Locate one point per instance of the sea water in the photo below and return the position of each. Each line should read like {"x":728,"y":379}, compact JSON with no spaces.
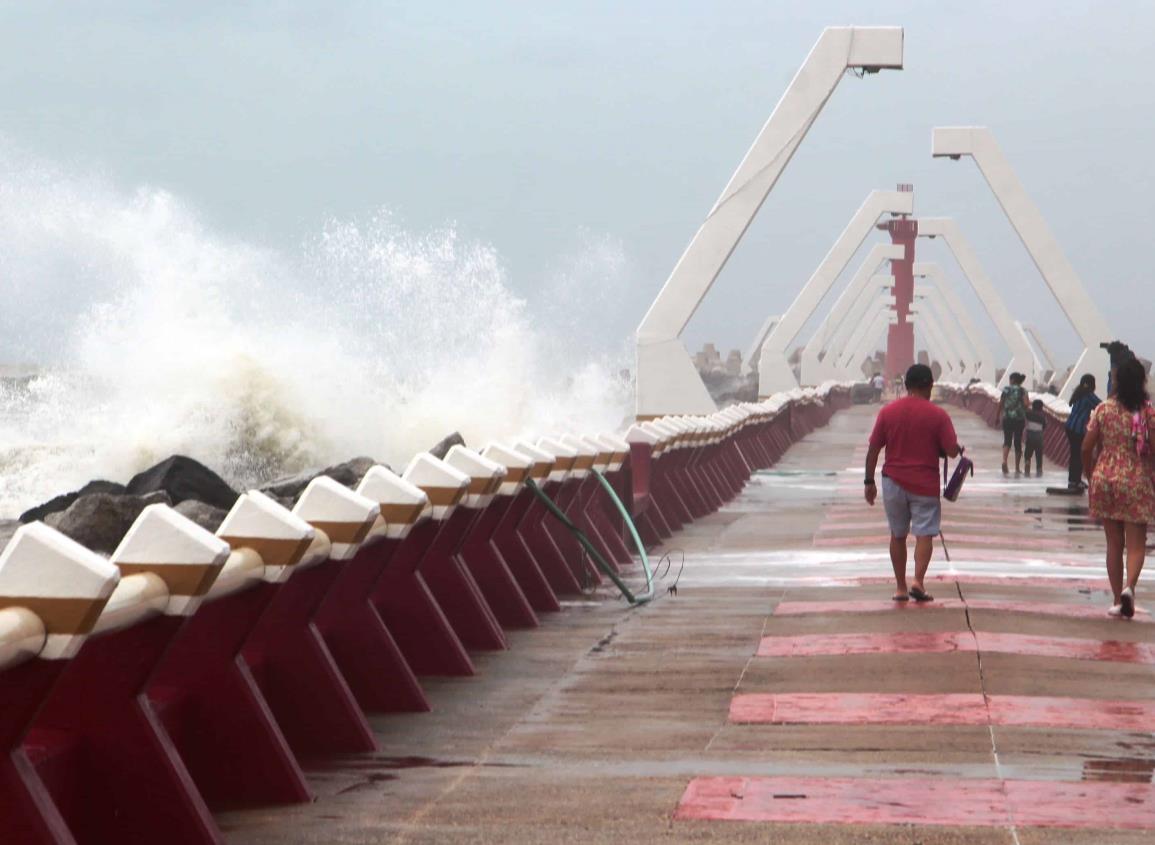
{"x":151,"y":334}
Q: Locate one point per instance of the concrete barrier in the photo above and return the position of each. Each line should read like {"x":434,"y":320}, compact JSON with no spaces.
{"x":476,"y":551}
{"x":196,"y":670}
{"x":312,"y":701}
{"x":96,"y":743}
{"x":52,"y":591}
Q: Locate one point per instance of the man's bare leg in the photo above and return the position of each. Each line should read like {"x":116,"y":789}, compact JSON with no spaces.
{"x":898,"y":561}
{"x":923,"y":549}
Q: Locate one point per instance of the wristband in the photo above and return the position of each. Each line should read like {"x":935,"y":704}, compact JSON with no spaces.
{"x":869,"y":482}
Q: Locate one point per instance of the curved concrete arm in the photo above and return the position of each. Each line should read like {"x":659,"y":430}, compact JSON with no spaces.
{"x":774,"y":373}
{"x":1045,"y":352}
{"x":984,"y":369}
{"x":964,"y":354}
{"x":667,"y":382}
{"x":837,"y":342}
{"x":948,"y":229}
{"x":881,"y":306}
{"x":756,"y":346}
{"x":816,"y":370}
{"x":979,"y":143}
{"x":867,"y":333}
{"x":941,"y":348}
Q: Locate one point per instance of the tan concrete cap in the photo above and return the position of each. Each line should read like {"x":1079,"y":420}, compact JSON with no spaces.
{"x":565,"y":458}
{"x":279,"y":536}
{"x":543,"y":462}
{"x":485,"y":475}
{"x":60,"y":581}
{"x":402,"y":503}
{"x":518,"y":466}
{"x":344,"y":517}
{"x":184,"y":556}
{"x":444,"y":485}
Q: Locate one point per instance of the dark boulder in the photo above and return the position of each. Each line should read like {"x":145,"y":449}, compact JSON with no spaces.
{"x":447,"y":443}
{"x":348,"y":473}
{"x":99,"y":521}
{"x":182,"y":479}
{"x":206,"y":516}
{"x":63,"y":501}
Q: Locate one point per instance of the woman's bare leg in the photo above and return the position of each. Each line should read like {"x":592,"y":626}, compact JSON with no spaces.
{"x":1113,"y":528}
{"x":1135,"y":537}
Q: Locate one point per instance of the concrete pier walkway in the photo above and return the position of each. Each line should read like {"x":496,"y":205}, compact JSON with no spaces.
{"x":780,"y":696}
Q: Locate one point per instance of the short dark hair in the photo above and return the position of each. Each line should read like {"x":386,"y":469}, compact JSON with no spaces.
{"x":919,"y":377}
{"x":1131,"y":384}
{"x":1037,"y":404}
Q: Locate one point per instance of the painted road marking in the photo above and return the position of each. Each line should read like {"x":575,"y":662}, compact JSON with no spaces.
{"x":938,"y":709}
{"x":942,"y":642}
{"x":1070,"y":611}
{"x":920,"y":801}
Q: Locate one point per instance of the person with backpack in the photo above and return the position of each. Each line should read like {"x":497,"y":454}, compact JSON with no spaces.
{"x":1036,"y":425}
{"x":915,"y":433}
{"x":1116,"y":452}
{"x":1013,"y":414}
{"x":1083,"y":402}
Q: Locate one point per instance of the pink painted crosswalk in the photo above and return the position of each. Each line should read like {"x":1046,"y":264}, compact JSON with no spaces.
{"x":920,"y":801}
{"x":941,"y":709}
{"x":942,"y":642}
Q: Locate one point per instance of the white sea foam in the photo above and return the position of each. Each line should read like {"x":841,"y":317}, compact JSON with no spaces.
{"x":163,"y":337}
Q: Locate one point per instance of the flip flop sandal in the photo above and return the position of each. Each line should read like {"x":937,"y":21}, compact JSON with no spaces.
{"x":1127,"y":603}
{"x":920,"y":595}
{"x":900,"y":597}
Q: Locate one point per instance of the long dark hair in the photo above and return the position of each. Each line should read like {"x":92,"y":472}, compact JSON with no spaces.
{"x":1131,"y":385}
{"x":1086,"y":388}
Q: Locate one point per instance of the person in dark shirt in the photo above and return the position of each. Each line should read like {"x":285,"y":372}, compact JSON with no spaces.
{"x":1036,"y":424}
{"x":915,"y":433}
{"x":1083,"y":402}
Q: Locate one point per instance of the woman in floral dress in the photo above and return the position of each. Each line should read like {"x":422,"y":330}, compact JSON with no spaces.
{"x":1122,"y":495}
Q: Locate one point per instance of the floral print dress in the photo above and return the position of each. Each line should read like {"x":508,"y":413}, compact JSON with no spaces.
{"x":1121,"y":485}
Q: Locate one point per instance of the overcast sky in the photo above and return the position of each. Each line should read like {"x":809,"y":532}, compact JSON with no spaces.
{"x":539,"y":126}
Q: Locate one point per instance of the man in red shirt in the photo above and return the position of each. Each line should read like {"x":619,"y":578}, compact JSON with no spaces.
{"x":916,"y":434}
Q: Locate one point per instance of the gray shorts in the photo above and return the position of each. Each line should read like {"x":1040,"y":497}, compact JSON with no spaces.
{"x":903,"y":509}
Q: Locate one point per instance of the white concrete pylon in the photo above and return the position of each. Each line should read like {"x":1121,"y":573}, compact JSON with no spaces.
{"x":1040,"y":367}
{"x":942,"y":350}
{"x":1045,"y":351}
{"x":667,"y":382}
{"x":774,"y":371}
{"x":755,"y":350}
{"x":948,"y":229}
{"x":814,"y":368}
{"x":985,"y":365}
{"x":979,"y":143}
{"x":963,"y":354}
{"x":839,"y":340}
{"x":881,"y":306}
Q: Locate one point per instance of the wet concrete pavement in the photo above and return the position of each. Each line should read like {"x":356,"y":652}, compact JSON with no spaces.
{"x":608,"y":724}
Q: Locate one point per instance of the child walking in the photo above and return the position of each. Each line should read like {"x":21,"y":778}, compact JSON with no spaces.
{"x":1036,"y":424}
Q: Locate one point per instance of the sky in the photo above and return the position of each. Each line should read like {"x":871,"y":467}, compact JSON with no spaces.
{"x":542,"y":127}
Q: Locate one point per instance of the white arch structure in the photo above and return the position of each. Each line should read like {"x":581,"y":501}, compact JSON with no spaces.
{"x":878,"y":314}
{"x":756,"y":346}
{"x":979,"y":143}
{"x":840,"y":340}
{"x":816,"y":369}
{"x":948,"y":229}
{"x":1045,"y":352}
{"x":953,"y":357}
{"x":667,"y":382}
{"x":774,"y":371}
{"x":984,"y":360}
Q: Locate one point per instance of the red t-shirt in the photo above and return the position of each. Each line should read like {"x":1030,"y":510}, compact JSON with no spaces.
{"x":916,"y":433}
